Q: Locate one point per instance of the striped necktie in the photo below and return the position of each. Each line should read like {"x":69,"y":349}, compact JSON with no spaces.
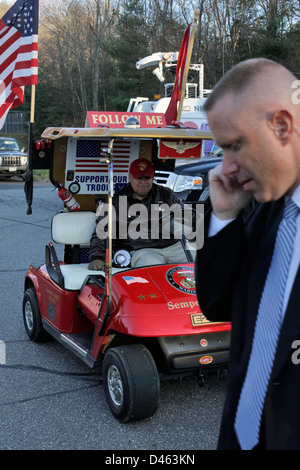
{"x":267,"y":328}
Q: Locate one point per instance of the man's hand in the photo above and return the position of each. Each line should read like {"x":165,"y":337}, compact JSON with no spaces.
{"x":96,"y":265}
{"x":227,"y":196}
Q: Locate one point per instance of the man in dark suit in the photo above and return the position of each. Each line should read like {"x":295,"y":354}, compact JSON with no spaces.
{"x":254,"y":114}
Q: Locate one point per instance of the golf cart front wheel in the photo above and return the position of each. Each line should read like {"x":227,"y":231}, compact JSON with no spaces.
{"x":131,"y":382}
{"x":32,"y":317}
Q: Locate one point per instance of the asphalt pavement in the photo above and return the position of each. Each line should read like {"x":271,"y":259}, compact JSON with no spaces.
{"x":49,"y":399}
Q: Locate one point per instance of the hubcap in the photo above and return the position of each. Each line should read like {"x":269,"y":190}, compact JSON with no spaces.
{"x":28,"y":316}
{"x":115,"y":386}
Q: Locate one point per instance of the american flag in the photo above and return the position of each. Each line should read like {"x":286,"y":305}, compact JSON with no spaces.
{"x":18,"y":54}
{"x":133,"y":279}
{"x":89,"y":152}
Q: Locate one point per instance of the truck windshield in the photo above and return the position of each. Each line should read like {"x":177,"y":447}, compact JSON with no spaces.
{"x":8,"y":145}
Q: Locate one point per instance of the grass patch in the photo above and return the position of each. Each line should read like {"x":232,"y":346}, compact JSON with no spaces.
{"x":41,"y":175}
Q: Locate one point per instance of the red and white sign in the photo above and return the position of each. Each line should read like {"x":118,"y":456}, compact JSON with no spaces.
{"x":170,"y":148}
{"x":116,"y":120}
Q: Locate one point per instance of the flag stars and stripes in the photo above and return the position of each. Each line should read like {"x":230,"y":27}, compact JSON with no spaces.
{"x":22,"y":19}
{"x":90,"y":152}
{"x":18,"y":53}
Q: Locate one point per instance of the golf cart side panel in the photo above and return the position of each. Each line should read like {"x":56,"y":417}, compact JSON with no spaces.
{"x":58,"y":307}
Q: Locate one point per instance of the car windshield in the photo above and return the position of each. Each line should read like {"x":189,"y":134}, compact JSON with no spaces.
{"x":8,"y":145}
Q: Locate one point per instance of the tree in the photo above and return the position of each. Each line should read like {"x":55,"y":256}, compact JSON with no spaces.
{"x":72,"y":57}
{"x":102,"y":16}
{"x":129,"y":44}
{"x":88,"y":48}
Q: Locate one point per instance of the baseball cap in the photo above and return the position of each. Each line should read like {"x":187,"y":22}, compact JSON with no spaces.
{"x":141,"y":167}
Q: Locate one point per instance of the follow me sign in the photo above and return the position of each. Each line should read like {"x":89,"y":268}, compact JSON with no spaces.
{"x":116,"y":120}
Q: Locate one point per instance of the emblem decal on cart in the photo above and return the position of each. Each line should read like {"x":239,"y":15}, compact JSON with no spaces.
{"x":51,"y":310}
{"x":182,"y":278}
{"x":133,"y":279}
{"x":149,"y":296}
{"x":206,"y":360}
{"x":198,"y":319}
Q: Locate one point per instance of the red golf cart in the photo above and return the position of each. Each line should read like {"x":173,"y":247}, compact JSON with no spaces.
{"x":141,"y":325}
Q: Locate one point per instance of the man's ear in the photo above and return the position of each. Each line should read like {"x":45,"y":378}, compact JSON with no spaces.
{"x":281,"y":122}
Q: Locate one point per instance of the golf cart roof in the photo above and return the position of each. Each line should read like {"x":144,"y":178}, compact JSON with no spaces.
{"x":171,"y":132}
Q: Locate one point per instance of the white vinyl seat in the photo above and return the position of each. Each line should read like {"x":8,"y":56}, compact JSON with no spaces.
{"x":75,"y":274}
{"x":73,"y":228}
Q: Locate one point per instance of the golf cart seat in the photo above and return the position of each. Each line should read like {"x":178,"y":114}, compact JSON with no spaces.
{"x":74,"y":230}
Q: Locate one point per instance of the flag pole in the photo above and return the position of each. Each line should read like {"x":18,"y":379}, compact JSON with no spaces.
{"x":187,"y":64}
{"x":32,"y":111}
{"x":28,"y":187}
{"x":32,"y":108}
{"x":31,"y":127}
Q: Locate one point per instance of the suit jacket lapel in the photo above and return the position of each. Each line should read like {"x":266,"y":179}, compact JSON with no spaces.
{"x":290,"y":328}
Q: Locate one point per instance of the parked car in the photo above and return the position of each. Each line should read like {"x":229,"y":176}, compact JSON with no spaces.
{"x":13,"y":161}
{"x":190,"y":181}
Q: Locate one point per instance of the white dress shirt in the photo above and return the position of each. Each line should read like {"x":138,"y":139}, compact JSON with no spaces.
{"x":216,"y":225}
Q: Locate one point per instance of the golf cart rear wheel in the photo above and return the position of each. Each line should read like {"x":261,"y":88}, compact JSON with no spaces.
{"x":32,"y":317}
{"x":131,"y":382}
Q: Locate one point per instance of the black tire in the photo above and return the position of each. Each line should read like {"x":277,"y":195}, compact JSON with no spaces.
{"x":32,"y":317}
{"x":131,"y":382}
